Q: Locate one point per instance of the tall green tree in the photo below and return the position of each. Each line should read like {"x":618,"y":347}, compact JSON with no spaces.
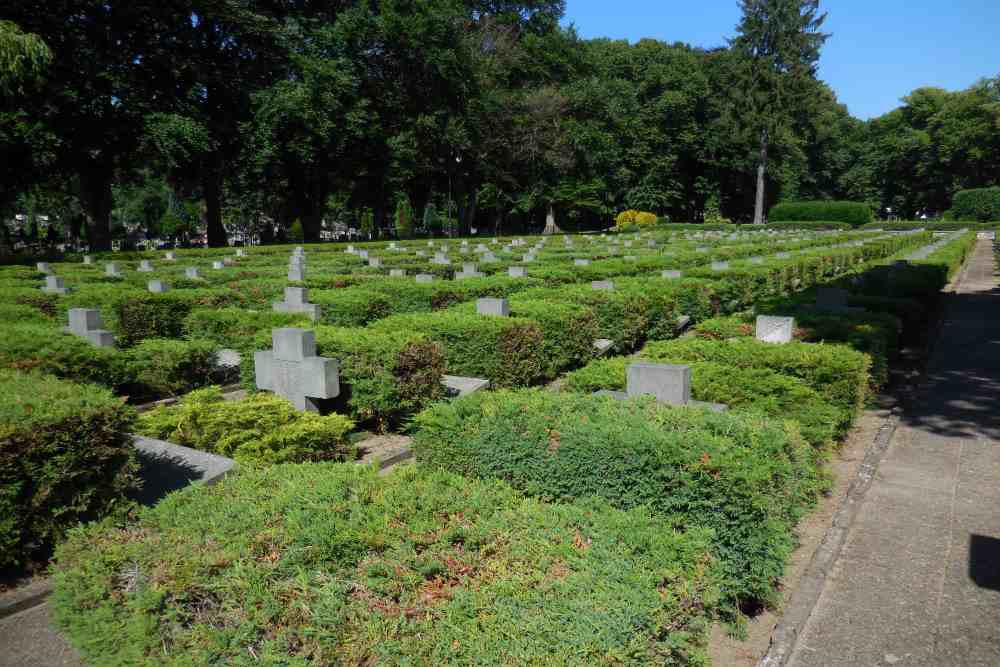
{"x":23,"y":56}
{"x":776,"y":55}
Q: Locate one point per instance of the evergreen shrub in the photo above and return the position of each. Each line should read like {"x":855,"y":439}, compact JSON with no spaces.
{"x":852,"y":213}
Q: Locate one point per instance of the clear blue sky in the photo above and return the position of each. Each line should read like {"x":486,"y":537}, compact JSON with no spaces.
{"x":880,"y":50}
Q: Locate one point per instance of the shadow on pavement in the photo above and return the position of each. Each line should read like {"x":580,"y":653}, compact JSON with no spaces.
{"x":984,"y":561}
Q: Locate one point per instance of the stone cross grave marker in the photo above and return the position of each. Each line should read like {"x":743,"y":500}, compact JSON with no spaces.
{"x":292,"y":370}
{"x":297,"y":301}
{"x":86,"y":323}
{"x":54,"y":285}
{"x":771,"y":329}
{"x":493,"y":307}
{"x":157,"y":286}
{"x":191,"y":273}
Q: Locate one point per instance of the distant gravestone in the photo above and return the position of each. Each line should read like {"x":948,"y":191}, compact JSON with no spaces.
{"x":43,"y":267}
{"x":440,"y":258}
{"x":756,"y":260}
{"x":488,"y":258}
{"x":602,"y":285}
{"x":88,"y":259}
{"x":670,"y":274}
{"x":375,"y":262}
{"x":241,"y":252}
{"x":603,"y":346}
{"x":296,"y":272}
{"x":297,"y":301}
{"x":772,"y":329}
{"x":424,"y":278}
{"x":217,"y":265}
{"x":157,"y":286}
{"x":170,"y":257}
{"x":145,"y":266}
{"x":191,"y":273}
{"x":493,"y":307}
{"x":665,"y":382}
{"x":86,"y":323}
{"x":111,"y":270}
{"x":581,"y":262}
{"x":363,"y":254}
{"x":397,"y":273}
{"x":292,"y":370}
{"x":720,"y":266}
{"x":517,"y":272}
{"x":783,"y":255}
{"x":54,"y":285}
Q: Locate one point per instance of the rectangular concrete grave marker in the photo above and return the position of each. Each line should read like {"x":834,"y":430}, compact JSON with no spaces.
{"x":493,"y":307}
{"x":145,"y":266}
{"x":375,"y":262}
{"x":241,"y":252}
{"x":667,"y":383}
{"x":756,"y":260}
{"x":297,"y":301}
{"x":296,"y":272}
{"x":191,"y":273}
{"x":517,"y":272}
{"x":456,"y":385}
{"x":670,"y":274}
{"x":720,"y":266}
{"x":43,"y":267}
{"x":87,"y":323}
{"x":701,"y":249}
{"x":771,"y":329}
{"x":421,"y":253}
{"x":170,"y":256}
{"x":581,"y":262}
{"x":54,"y":285}
{"x":227,"y":261}
{"x":111,"y":270}
{"x":396,"y":273}
{"x":783,"y":255}
{"x":218,"y":265}
{"x":292,"y":370}
{"x":602,"y":285}
{"x":157,"y":286}
{"x":603,"y":346}
{"x":363,"y":254}
{"x":424,"y":278}
{"x":88,"y":259}
{"x":440,"y":258}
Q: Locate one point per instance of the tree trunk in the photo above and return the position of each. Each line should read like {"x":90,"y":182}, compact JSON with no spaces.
{"x":550,"y":223}
{"x":96,"y":200}
{"x":758,"y":209}
{"x":212,"y":185}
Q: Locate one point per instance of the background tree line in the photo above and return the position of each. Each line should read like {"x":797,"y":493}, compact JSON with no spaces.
{"x":256,"y":114}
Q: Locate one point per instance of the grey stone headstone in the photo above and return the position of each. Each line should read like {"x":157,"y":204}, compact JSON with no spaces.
{"x":375,"y":262}
{"x":363,"y":254}
{"x":157,"y":286}
{"x":145,"y":266}
{"x":493,"y":307}
{"x":397,"y":273}
{"x":54,"y":285}
{"x":720,"y":266}
{"x":424,"y":278}
{"x":218,"y":265}
{"x":667,"y":383}
{"x":457,"y":385}
{"x":783,"y":255}
{"x":771,"y":329}
{"x":87,"y":323}
{"x":756,"y":260}
{"x":421,"y":253}
{"x":88,"y":259}
{"x":112,"y":271}
{"x":602,"y":285}
{"x":297,"y":301}
{"x":517,"y":272}
{"x":581,"y":262}
{"x":603,"y":346}
{"x":670,"y":274}
{"x":43,"y":267}
{"x":241,"y":252}
{"x":488,"y":258}
{"x":170,"y":256}
{"x":701,"y":249}
{"x":296,"y":272}
{"x":191,"y":273}
{"x":292,"y":370}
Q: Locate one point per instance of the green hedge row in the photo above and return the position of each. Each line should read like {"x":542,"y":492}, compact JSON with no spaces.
{"x":748,"y":479}
{"x":980,"y":205}
{"x":65,"y":456}
{"x":853,"y":213}
{"x":335,"y":564}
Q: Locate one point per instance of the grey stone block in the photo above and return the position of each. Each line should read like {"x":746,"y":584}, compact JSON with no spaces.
{"x":157,"y":286}
{"x":297,"y":301}
{"x":170,"y":257}
{"x":670,"y":274}
{"x":581,"y":262}
{"x":296,"y":273}
{"x":87,"y":323}
{"x":424,"y":278}
{"x":88,"y":259}
{"x":720,"y":266}
{"x":667,"y":383}
{"x":397,"y":273}
{"x":43,"y":267}
{"x":54,"y":285}
{"x":771,"y":329}
{"x":603,"y":346}
{"x":218,"y":265}
{"x":517,"y":272}
{"x":112,"y":271}
{"x":145,"y":266}
{"x":457,"y":385}
{"x":493,"y":307}
{"x":292,"y":369}
{"x":602,"y":285}
{"x":191,"y":273}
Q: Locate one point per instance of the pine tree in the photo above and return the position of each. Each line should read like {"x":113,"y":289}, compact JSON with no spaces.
{"x":776,"y":54}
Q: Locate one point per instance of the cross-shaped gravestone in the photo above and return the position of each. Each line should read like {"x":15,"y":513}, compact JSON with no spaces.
{"x":670,"y":274}
{"x":297,"y":301}
{"x":54,"y":285}
{"x":493,"y":307}
{"x":111,"y":270}
{"x":157,"y":286}
{"x":292,"y":370}
{"x":602,"y":285}
{"x":86,"y":323}
{"x":297,"y":272}
{"x":191,"y":273}
{"x":517,"y":272}
{"x":145,"y":266}
{"x":772,"y":329}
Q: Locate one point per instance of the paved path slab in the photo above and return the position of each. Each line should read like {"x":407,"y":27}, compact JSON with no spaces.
{"x":918,"y":580}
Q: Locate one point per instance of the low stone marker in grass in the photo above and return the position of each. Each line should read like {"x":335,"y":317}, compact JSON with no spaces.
{"x":87,"y":323}
{"x":297,"y":301}
{"x":771,"y":329}
{"x":667,"y":383}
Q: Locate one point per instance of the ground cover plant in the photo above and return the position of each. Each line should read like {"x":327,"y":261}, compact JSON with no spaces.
{"x":334,"y":564}
{"x":747,"y":478}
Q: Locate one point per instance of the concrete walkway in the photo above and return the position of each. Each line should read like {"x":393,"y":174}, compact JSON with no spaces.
{"x":918,"y":580}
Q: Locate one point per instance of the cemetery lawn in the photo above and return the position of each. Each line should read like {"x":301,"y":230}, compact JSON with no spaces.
{"x":334,"y":564}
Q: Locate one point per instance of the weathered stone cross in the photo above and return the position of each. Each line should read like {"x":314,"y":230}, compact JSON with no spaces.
{"x":292,"y":369}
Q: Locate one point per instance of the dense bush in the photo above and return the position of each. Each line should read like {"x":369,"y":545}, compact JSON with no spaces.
{"x":262,"y":429}
{"x":807,"y":224}
{"x":980,"y":205}
{"x":65,"y":456}
{"x":150,"y":316}
{"x":747,"y":478}
{"x":755,"y":389}
{"x":158,"y":367}
{"x":333,"y":564}
{"x":837,"y":372}
{"x":43,"y":347}
{"x":853,"y":213}
{"x":505,"y":350}
{"x":237,"y":328}
{"x":932,"y":225}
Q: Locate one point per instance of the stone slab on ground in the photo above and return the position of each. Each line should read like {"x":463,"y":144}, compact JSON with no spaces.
{"x":166,"y":467}
{"x":388,"y":450}
{"x":918,"y":580}
{"x":456,"y":385}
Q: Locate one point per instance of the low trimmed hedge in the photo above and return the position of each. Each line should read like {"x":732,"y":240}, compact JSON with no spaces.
{"x":852,"y":213}
{"x":261,"y":429}
{"x":334,"y":564}
{"x":747,"y":478}
{"x":809,"y":224}
{"x":65,"y":456}
{"x":237,"y":328}
{"x":838,"y":373}
{"x":749,"y":389}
